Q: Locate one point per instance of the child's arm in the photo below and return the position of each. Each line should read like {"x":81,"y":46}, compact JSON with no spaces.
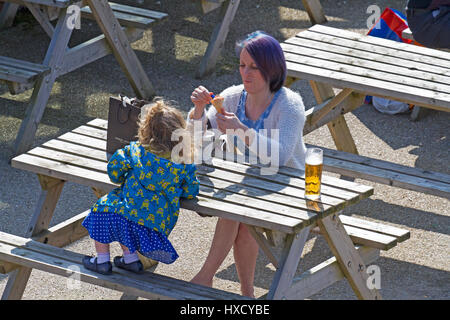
{"x":119,"y":164}
{"x":190,"y":184}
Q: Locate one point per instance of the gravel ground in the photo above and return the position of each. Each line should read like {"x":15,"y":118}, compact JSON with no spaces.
{"x":171,"y":52}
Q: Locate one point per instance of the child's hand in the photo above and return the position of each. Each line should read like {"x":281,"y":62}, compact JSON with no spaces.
{"x":200,"y":98}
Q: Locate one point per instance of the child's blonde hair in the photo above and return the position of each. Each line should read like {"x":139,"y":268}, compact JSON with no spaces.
{"x":157,"y":122}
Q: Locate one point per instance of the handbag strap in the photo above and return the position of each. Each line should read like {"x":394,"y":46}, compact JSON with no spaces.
{"x":128,"y":113}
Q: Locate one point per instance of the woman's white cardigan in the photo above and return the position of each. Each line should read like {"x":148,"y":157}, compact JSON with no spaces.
{"x":287,"y":117}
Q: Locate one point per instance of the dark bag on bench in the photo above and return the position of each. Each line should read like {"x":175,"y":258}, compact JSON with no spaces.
{"x":123,"y":117}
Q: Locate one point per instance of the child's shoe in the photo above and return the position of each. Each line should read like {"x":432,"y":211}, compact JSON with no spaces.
{"x":135,"y":266}
{"x":103,"y":268}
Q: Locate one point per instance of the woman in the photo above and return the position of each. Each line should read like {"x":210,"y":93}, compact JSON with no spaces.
{"x":261,"y":102}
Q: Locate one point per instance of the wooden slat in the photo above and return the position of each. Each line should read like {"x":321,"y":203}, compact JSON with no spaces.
{"x":49,"y":3}
{"x":370,"y":86}
{"x":365,"y":191}
{"x":99,"y":144}
{"x":209,"y":5}
{"x":396,"y":49}
{"x":370,"y":239}
{"x":324,"y":275}
{"x":390,"y":166}
{"x":14,"y":75}
{"x":24,"y":65}
{"x":125,"y":19}
{"x":71,"y":159}
{"x":315,"y":11}
{"x":284,"y":180}
{"x":348,"y":258}
{"x":62,"y":171}
{"x":257,"y":218}
{"x":255,"y":203}
{"x":298,"y":205}
{"x":74,"y":169}
{"x":76,"y":149}
{"x":117,"y":7}
{"x":410,"y":87}
{"x":400,"y":234}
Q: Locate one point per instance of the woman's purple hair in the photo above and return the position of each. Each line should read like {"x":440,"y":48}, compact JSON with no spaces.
{"x":266,"y":51}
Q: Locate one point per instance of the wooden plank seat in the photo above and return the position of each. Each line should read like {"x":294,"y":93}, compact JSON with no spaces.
{"x":16,"y":250}
{"x":18,"y":72}
{"x":396,"y":175}
{"x":129,"y":16}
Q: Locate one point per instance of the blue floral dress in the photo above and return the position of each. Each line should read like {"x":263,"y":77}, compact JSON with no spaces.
{"x":141,"y":213}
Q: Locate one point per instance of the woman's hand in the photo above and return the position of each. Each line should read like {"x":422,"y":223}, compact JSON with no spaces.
{"x":229,"y":121}
{"x":200,"y":98}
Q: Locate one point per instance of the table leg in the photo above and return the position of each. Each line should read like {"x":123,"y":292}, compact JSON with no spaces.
{"x":121,"y":48}
{"x":54,"y":59}
{"x":338,"y":127}
{"x":290,"y":257}
{"x":51,"y":191}
{"x":218,"y":37}
{"x":348,"y":258}
{"x":7,"y":14}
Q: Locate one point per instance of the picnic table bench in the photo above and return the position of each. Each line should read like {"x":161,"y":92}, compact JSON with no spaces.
{"x":362,"y":65}
{"x":120,"y":25}
{"x":268,"y":204}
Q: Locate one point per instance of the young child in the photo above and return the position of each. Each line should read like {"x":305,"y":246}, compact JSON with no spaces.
{"x":141,"y":213}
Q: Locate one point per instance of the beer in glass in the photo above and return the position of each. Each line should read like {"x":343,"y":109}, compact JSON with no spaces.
{"x":313,"y":173}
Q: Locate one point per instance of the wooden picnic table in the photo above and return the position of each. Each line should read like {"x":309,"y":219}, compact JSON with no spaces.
{"x":268,"y":204}
{"x":119,"y":24}
{"x":333,"y":58}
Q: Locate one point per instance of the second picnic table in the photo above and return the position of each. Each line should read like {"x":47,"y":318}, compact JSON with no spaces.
{"x":363,"y":65}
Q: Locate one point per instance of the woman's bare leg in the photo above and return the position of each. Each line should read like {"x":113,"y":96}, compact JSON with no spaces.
{"x":245,"y":255}
{"x":224,"y":237}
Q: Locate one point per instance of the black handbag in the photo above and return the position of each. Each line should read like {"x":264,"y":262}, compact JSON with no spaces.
{"x":123,"y":117}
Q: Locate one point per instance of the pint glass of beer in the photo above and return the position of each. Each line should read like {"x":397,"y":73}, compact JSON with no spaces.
{"x":313,"y":173}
